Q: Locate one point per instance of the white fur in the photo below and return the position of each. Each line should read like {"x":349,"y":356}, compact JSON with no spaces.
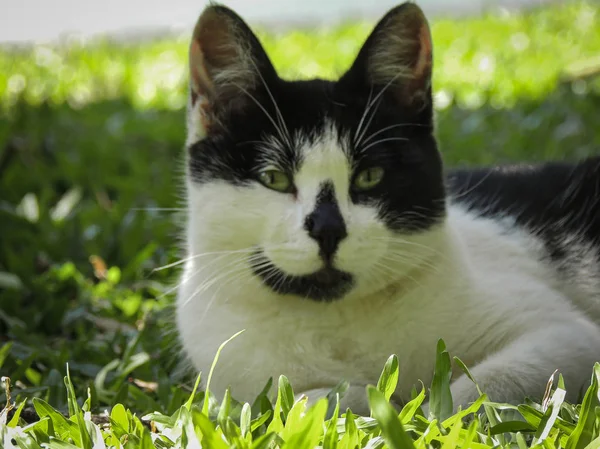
{"x":475,"y":282}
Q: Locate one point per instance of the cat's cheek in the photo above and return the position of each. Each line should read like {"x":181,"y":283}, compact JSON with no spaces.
{"x":368,"y":252}
{"x":367,"y":239}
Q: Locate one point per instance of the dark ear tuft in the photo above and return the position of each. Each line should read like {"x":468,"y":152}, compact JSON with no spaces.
{"x":398,"y":54}
{"x":226,"y":64}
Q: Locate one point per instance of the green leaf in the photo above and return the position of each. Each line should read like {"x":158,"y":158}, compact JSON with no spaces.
{"x":350,"y":438}
{"x":256,"y":423}
{"x":188,"y":403}
{"x":119,"y":420}
{"x":391,"y":428}
{"x":440,"y":402}
{"x":294,"y":418}
{"x":63,"y":426}
{"x":232,"y":434}
{"x":450,"y":441}
{"x":375,"y":443}
{"x":410,"y":408}
{"x":262,"y":399}
{"x":583,"y":433}
{"x":264,"y":441}
{"x":594,"y":444}
{"x":25,"y":441}
{"x":133,"y":362}
{"x":212,"y":369}
{"x":245,"y":419}
{"x":287,"y":395}
{"x":548,"y":420}
{"x":4,"y":351}
{"x":85,"y":441}
{"x":10,"y":281}
{"x":330,"y":440}
{"x":471,"y":433}
{"x":59,"y":444}
{"x":95,"y":435}
{"x":205,"y":431}
{"x":309,"y":433}
{"x":276,"y":424}
{"x":511,"y":426}
{"x":335,"y":396}
{"x":388,"y":380}
{"x":534,"y":417}
{"x":225,"y":408}
{"x":521,"y":443}
{"x":473,"y":408}
{"x":15,"y":419}
{"x":146,"y":440}
{"x":100,"y":379}
{"x":465,"y":370}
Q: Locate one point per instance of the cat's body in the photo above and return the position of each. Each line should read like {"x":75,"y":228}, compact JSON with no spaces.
{"x":320,"y":222}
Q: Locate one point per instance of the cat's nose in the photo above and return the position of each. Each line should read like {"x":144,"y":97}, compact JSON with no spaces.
{"x":326,"y":225}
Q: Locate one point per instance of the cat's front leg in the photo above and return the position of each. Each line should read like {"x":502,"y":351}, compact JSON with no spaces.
{"x":523,"y":367}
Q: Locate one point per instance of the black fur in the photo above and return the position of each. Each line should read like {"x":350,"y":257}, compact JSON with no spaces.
{"x":326,"y":284}
{"x":550,"y":200}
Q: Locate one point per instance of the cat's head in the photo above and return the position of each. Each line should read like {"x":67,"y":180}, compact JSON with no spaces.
{"x":323,"y":187}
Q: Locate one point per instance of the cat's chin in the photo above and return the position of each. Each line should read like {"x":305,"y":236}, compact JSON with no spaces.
{"x":323,"y":285}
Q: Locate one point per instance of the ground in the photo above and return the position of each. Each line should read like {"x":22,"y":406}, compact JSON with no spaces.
{"x":90,"y":167}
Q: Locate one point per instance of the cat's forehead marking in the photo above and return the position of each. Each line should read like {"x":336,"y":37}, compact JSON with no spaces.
{"x":324,"y":160}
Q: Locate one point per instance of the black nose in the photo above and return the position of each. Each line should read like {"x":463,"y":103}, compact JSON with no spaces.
{"x":326,"y":225}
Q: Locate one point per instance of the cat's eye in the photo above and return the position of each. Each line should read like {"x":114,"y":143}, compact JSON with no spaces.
{"x":276,"y":180}
{"x":369,"y":178}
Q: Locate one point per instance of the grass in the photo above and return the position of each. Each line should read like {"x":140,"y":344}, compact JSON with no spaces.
{"x":91,"y":141}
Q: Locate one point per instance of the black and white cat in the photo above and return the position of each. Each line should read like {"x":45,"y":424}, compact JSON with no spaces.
{"x":321,"y":221}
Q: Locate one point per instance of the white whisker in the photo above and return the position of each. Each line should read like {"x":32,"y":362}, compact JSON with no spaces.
{"x":366,"y":127}
{"x":387,"y":128}
{"x":262,"y":108}
{"x":377,"y":142}
{"x":360,"y":123}
{"x":277,"y":110}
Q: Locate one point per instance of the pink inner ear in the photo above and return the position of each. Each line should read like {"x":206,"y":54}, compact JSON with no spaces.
{"x":423,"y":64}
{"x":201,"y":84}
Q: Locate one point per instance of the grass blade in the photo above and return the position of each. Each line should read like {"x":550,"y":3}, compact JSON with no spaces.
{"x":440,"y":401}
{"x":212,"y":369}
{"x":583,"y":433}
{"x":391,"y":428}
{"x":388,"y":380}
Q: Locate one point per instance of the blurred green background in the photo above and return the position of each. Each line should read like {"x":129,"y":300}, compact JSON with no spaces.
{"x":91,"y":138}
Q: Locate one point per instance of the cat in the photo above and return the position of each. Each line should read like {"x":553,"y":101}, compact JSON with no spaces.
{"x":321,"y":219}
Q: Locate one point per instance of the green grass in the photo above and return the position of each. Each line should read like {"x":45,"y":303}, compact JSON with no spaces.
{"x":90,"y":172}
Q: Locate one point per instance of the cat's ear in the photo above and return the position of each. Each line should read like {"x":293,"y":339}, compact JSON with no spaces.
{"x":227,"y":65}
{"x":397,"y":57}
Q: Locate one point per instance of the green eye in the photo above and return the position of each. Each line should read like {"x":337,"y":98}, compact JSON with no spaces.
{"x":369,"y":178}
{"x":276,"y":180}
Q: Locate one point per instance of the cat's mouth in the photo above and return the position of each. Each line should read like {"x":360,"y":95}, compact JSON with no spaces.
{"x":324,"y":285}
